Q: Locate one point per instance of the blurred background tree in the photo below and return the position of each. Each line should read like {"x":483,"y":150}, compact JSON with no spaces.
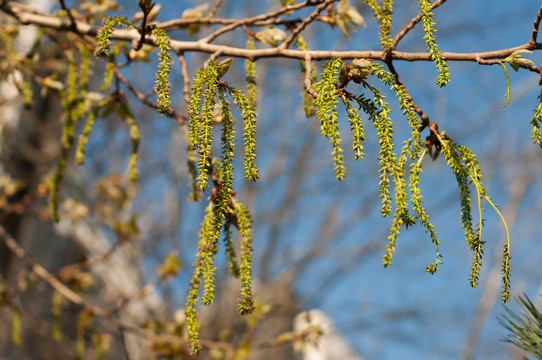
{"x":110,"y":279}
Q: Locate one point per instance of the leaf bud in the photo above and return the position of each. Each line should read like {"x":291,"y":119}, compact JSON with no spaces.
{"x":359,"y":69}
{"x":272,"y":36}
{"x":223,"y":67}
{"x":516,"y":60}
{"x":343,"y":74}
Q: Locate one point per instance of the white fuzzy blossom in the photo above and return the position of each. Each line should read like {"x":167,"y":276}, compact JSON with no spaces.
{"x":320,"y":338}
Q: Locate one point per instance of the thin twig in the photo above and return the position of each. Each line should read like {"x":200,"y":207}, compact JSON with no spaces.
{"x":213,"y":56}
{"x":39,"y":270}
{"x":308,"y":73}
{"x":306,"y":22}
{"x":186,"y":78}
{"x":179,"y":23}
{"x":182,"y":22}
{"x":21,"y":205}
{"x":249,"y":21}
{"x":143,"y":28}
{"x":481,"y":61}
{"x":142,"y":97}
{"x":77,"y":299}
{"x":70,"y":16}
{"x":87,"y":264}
{"x":214,"y":9}
{"x":423,"y":116}
{"x":413,"y":23}
{"x":501,"y":62}
{"x":534,"y":36}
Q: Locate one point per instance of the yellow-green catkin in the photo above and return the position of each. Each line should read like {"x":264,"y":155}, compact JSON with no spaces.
{"x":250,"y":67}
{"x":69,"y":100}
{"x":83,"y":138}
{"x":56,"y":311}
{"x":16,"y":327}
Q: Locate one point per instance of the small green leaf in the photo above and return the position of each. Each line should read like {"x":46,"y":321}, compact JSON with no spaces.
{"x":516,"y":60}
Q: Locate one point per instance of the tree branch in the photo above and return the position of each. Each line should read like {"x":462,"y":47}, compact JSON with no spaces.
{"x":215,"y":8}
{"x":77,"y":299}
{"x":186,"y":79}
{"x":249,"y":21}
{"x":535,"y":28}
{"x":39,"y":270}
{"x":423,"y":116}
{"x":203,"y":46}
{"x":143,"y":98}
{"x":179,"y":23}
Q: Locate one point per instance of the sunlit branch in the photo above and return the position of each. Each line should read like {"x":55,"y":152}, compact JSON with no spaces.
{"x":534,"y":35}
{"x":186,"y":78}
{"x":26,"y":17}
{"x":249,"y":21}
